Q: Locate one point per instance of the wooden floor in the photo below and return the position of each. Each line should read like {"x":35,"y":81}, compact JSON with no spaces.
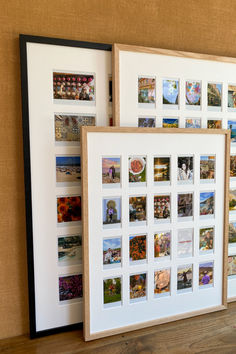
{"x":212,"y":333}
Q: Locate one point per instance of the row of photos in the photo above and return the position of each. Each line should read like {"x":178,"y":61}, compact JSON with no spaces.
{"x":80,"y":88}
{"x":112,"y":287}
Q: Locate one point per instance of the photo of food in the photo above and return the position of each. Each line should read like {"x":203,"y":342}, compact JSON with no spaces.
{"x":146,"y":122}
{"x":110,"y":170}
{"x":207,"y":203}
{"x":161,"y":207}
{"x":162,"y":282}
{"x":70,"y":287}
{"x":232,"y":127}
{"x":146,"y":90}
{"x":207,"y":167}
{"x":68,"y":209}
{"x":111,"y":212}
{"x":112,"y":251}
{"x":137,"y":248}
{"x":193,"y":123}
{"x":231,"y":266}
{"x":185,"y":205}
{"x":185,"y":277}
{"x":112,"y":290}
{"x":137,"y":169}
{"x":206,"y":274}
{"x":161,"y":169}
{"x":137,"y":209}
{"x":67,"y":127}
{"x":232,"y":166}
{"x":185,"y":243}
{"x":70,"y":250}
{"x":214,"y":93}
{"x":232,"y":200}
{"x":170,"y":123}
{"x":185,"y":168}
{"x":206,"y":239}
{"x":214,"y":124}
{"x":232,"y":232}
{"x":193,"y":93}
{"x":68,"y":86}
{"x":138,"y":286}
{"x":232,"y":96}
{"x":162,"y":244}
{"x":170,"y":92}
{"x":68,"y":169}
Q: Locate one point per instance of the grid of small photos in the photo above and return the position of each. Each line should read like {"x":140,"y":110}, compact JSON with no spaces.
{"x":166,"y":245}
{"x":78,"y":90}
{"x":193,"y":102}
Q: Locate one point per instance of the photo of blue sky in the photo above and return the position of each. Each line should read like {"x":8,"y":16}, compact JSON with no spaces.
{"x":206,"y":195}
{"x":112,"y":243}
{"x":67,"y":160}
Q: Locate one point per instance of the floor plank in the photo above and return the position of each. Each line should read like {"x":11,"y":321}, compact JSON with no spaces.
{"x":207,"y":334}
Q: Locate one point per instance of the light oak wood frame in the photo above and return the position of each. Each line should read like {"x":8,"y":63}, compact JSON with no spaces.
{"x":85,"y":222}
{"x":138,"y":49}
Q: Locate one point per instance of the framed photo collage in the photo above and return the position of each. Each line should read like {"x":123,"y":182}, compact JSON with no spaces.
{"x":65,"y":85}
{"x":180,"y":90}
{"x":126,"y":219}
{"x":153,"y":226}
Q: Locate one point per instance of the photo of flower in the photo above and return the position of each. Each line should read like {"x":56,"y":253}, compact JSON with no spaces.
{"x":193,"y":93}
{"x":137,"y":248}
{"x":68,"y":209}
{"x":70,"y":287}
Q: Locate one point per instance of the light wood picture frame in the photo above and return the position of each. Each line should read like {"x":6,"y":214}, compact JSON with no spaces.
{"x":65,"y":84}
{"x":118,"y":209}
{"x":180,"y":105}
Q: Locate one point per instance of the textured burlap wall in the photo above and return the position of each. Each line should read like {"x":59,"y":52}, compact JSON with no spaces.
{"x":205,"y":26}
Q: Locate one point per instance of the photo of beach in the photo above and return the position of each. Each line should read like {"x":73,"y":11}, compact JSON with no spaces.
{"x":70,"y":250}
{"x":68,"y":169}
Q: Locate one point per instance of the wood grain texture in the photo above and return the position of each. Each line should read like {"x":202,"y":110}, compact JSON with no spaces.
{"x":212,"y":334}
{"x":196,"y":26}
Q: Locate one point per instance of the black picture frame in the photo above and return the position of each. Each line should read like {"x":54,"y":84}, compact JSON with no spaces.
{"x":24,"y":39}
